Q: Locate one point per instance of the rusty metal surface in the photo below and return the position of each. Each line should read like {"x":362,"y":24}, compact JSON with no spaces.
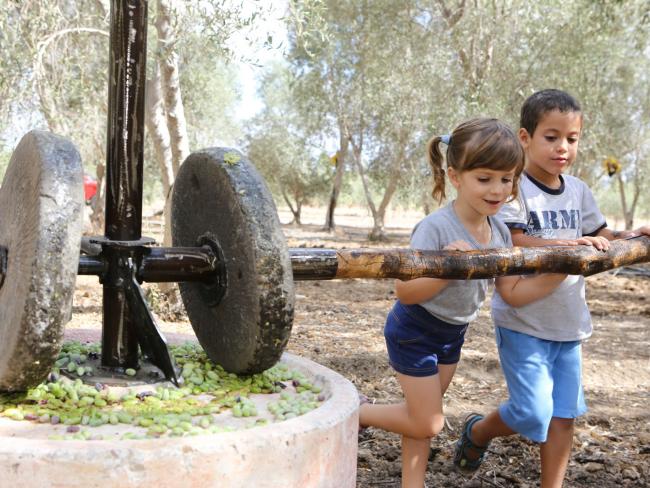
{"x":219,"y":194}
{"x":41,"y":204}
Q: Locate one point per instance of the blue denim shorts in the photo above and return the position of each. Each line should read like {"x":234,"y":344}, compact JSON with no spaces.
{"x":544,"y":381}
{"x":417,"y":341}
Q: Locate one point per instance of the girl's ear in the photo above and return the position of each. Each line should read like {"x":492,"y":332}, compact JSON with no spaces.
{"x":524,"y":138}
{"x":453,"y":176}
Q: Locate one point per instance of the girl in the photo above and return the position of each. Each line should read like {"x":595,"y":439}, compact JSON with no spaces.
{"x":425,"y":330}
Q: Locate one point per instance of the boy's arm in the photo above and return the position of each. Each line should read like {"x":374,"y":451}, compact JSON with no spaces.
{"x":613,"y":235}
{"x":523,"y":240}
{"x":518,"y":291}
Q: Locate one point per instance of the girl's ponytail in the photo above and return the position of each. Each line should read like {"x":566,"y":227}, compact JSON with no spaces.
{"x":435,"y":161}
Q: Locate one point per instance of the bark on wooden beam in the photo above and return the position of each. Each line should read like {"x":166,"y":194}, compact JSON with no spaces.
{"x":406,"y":264}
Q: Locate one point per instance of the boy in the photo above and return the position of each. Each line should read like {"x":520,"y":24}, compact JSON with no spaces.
{"x":540,"y":344}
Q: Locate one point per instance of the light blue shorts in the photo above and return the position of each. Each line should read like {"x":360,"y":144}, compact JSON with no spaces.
{"x":544,"y":381}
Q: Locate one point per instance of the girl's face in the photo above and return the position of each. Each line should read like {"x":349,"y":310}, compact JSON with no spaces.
{"x":482,"y":191}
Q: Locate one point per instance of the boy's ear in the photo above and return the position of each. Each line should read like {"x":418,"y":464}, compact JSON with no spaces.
{"x":524,"y":137}
{"x":452,"y":174}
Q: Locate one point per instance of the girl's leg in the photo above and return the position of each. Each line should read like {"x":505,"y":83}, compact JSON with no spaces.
{"x":555,"y":452}
{"x":419,"y":417}
{"x":446,"y":372}
{"x":415,"y":451}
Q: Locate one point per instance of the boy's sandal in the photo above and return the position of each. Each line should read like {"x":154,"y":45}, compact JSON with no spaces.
{"x":465,"y":443}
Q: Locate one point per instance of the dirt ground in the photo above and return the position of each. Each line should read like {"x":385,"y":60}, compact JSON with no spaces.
{"x":339,"y":324}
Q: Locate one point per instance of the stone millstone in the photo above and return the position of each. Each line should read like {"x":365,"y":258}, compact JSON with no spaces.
{"x":219,"y":194}
{"x":41,"y":203}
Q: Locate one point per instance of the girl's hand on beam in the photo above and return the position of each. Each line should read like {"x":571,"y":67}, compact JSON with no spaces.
{"x":457,"y":246}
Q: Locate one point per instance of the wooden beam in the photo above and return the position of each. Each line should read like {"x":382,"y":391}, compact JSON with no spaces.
{"x":407,"y":264}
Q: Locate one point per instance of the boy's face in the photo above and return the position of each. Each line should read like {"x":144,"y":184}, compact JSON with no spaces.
{"x":553,"y":146}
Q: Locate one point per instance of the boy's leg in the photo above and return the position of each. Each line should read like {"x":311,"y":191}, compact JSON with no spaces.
{"x":491,"y":427}
{"x":525,"y":362}
{"x":555,"y":452}
{"x":568,"y":404}
{"x":415,"y":452}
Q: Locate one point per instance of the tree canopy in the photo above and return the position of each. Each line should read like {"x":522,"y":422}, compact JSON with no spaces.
{"x":362,"y":86}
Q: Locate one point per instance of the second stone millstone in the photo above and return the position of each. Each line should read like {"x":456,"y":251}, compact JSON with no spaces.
{"x":244,"y":321}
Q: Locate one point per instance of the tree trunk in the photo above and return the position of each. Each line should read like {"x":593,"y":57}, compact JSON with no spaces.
{"x":97,"y":203}
{"x":628,"y":210}
{"x":298,"y":213}
{"x":295,"y":212}
{"x":356,"y":156}
{"x":377,"y":233}
{"x":156,"y":123}
{"x":393,"y":181}
{"x":339,"y":170}
{"x":170,"y":85}
{"x":173,"y":108}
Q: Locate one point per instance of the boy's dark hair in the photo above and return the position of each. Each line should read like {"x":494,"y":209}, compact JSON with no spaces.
{"x":540,"y":103}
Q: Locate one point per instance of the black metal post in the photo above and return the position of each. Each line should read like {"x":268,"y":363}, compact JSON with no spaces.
{"x":124,"y":175}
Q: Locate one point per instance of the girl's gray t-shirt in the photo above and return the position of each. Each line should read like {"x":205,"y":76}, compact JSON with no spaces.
{"x":459,"y":302}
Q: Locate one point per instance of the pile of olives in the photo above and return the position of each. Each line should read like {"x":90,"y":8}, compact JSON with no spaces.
{"x":152,"y":412}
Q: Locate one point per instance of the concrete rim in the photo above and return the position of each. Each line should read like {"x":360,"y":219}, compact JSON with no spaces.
{"x":316,"y":449}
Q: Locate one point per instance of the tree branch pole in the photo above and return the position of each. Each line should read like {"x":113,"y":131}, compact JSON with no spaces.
{"x":199,"y":264}
{"x":407,"y":264}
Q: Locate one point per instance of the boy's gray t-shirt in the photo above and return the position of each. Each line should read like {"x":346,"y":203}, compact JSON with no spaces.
{"x":459,"y":302}
{"x":568,"y":212}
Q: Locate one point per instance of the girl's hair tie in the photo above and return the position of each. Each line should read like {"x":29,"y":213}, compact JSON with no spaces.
{"x":446,"y":139}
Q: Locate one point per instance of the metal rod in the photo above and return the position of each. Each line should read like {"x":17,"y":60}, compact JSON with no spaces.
{"x":178,"y":264}
{"x":124,"y":173}
{"x":163,"y":264}
{"x":92,"y":265}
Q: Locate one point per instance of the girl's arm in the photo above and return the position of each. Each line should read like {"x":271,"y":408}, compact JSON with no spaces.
{"x":418,"y":290}
{"x":422,"y":289}
{"x":518,"y":291}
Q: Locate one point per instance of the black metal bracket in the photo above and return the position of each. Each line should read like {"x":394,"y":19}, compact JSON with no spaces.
{"x":151,"y":340}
